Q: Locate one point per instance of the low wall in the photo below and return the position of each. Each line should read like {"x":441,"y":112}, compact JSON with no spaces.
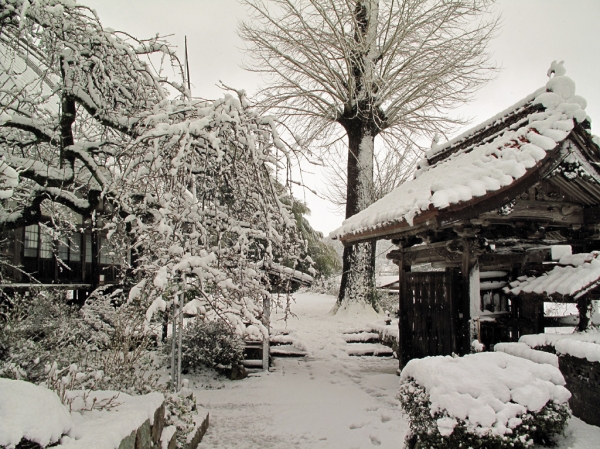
{"x":583,"y":381}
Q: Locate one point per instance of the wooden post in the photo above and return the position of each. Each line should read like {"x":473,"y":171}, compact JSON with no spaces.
{"x":464,"y":311}
{"x":180,"y":334}
{"x":582,"y":306}
{"x":403,"y":343}
{"x":95,"y":268}
{"x":266,"y":343}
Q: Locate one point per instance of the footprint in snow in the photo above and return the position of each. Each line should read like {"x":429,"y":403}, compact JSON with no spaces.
{"x":374,"y":440}
{"x":385,"y":418}
{"x":355,"y":426}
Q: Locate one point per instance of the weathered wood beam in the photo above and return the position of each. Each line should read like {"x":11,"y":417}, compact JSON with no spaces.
{"x":551,"y":213}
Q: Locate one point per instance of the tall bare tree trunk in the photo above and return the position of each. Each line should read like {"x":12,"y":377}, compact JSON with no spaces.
{"x":358,"y":275}
{"x":360,"y":121}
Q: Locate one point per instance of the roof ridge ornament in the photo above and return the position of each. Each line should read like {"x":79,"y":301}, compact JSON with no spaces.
{"x":556,"y":68}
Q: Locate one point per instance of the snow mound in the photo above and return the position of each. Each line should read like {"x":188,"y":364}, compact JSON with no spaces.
{"x":105,"y":429}
{"x":488,"y":390}
{"x":31,"y":412}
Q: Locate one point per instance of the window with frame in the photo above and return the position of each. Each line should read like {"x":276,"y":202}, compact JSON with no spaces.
{"x":75,"y":247}
{"x":63,"y":249}
{"x":45,"y":246}
{"x":32,"y":235}
{"x":107,"y":252}
{"x":88,"y":248}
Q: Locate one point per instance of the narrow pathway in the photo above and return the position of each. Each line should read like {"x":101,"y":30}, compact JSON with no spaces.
{"x":326,"y":400}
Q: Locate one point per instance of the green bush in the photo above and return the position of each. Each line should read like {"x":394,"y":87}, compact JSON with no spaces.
{"x":209,"y":344}
{"x":538,"y":428}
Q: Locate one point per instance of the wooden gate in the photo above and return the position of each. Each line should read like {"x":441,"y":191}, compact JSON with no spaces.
{"x":428,"y":320}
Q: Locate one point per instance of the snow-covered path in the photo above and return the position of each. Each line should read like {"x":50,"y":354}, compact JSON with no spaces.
{"x":327,"y":400}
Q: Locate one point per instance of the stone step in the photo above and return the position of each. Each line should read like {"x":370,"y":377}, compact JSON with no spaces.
{"x":368,"y":349}
{"x":287,"y":351}
{"x":362,"y":337}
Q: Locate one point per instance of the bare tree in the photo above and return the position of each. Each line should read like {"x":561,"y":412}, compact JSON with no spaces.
{"x":374,"y":67}
{"x":390,"y":169}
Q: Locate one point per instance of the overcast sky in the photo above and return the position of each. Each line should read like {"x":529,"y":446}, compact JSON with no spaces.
{"x":533,"y":34}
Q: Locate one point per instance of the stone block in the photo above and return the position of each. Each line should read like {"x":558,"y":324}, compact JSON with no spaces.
{"x":143,"y":437}
{"x":128,"y":442}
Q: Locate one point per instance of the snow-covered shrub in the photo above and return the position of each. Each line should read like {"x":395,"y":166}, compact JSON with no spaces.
{"x":484,"y":400}
{"x":39,"y":329}
{"x":210,"y":344}
{"x":44,"y":338}
{"x":426,"y":428}
{"x":180,"y":410}
{"x":326,"y":285}
{"x":389,"y":301}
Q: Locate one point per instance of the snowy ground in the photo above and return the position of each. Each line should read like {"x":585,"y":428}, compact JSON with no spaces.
{"x":327,"y":400}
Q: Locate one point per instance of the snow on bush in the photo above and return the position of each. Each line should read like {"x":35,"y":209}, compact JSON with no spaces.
{"x":30,"y":412}
{"x":579,"y":349}
{"x":484,"y":400}
{"x":524,"y":351}
{"x":550,"y":340}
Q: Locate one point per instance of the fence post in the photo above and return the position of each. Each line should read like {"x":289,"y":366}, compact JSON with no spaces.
{"x":180,"y":335}
{"x":173,"y":344}
{"x":266,"y":342}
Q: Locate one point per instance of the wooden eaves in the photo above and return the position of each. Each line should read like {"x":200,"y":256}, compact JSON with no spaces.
{"x":435,"y":219}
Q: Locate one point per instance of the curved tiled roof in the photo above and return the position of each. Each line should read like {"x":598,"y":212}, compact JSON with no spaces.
{"x":487,"y":159}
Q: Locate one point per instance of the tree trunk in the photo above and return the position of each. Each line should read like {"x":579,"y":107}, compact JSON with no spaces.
{"x":360,"y":120}
{"x":358,"y":275}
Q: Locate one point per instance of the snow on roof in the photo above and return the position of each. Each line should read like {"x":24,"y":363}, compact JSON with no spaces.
{"x":575,"y":275}
{"x":23,"y":71}
{"x":278,"y":269}
{"x":488,"y":390}
{"x":386,"y":281}
{"x":481,"y":168}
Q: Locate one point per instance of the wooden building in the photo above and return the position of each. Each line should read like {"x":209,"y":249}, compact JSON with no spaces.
{"x":486,"y":210}
{"x":81,"y":263}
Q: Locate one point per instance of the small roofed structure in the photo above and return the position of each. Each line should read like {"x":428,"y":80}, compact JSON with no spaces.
{"x":283,"y":278}
{"x":485,"y":209}
{"x":575,"y":279}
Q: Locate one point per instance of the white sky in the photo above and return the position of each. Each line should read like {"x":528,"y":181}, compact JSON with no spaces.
{"x":533,"y":34}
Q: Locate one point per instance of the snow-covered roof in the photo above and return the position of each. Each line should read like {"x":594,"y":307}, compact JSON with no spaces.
{"x":286,"y":272}
{"x":573,"y":276}
{"x":21,"y":69}
{"x":486,"y":159}
{"x":387,"y":281}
